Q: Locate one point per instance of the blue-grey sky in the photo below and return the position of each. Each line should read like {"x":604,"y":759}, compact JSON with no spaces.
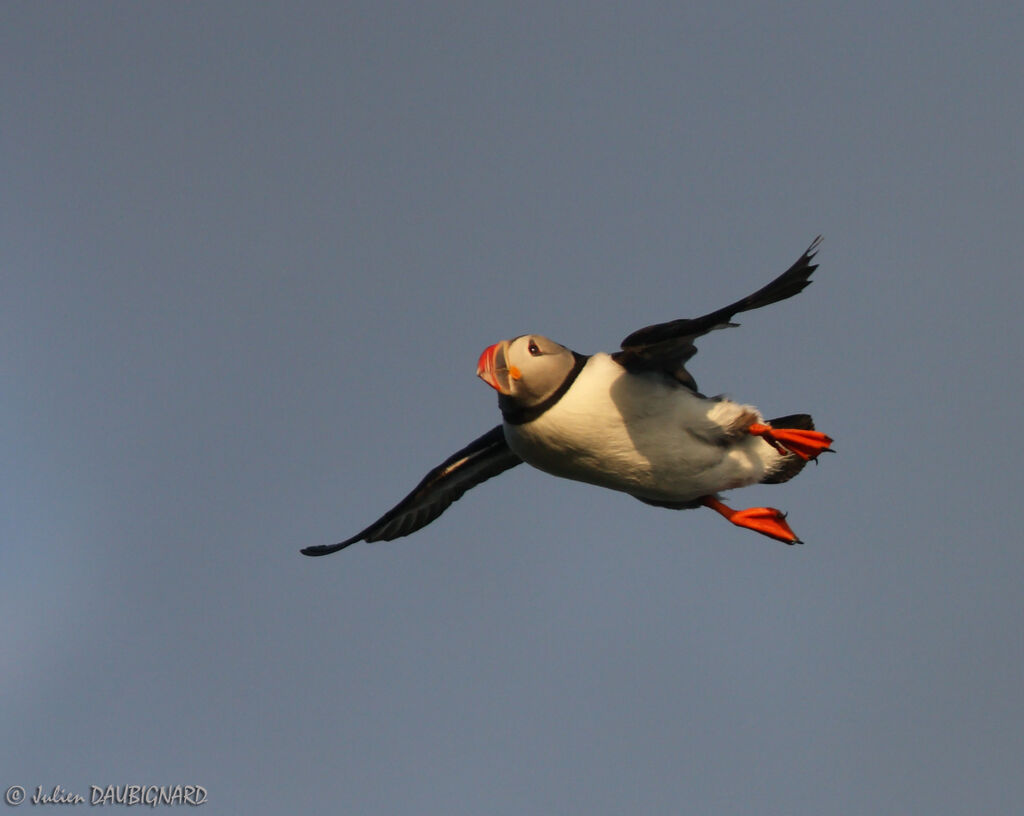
{"x":250,"y":254}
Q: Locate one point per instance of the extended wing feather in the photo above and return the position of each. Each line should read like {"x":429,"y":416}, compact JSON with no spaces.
{"x":477,"y":462}
{"x":667,"y":346}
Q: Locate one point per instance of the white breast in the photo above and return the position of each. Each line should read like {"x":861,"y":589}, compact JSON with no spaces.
{"x":641,"y":434}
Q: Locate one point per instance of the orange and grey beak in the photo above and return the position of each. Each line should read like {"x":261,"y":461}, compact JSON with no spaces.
{"x":493,"y":370}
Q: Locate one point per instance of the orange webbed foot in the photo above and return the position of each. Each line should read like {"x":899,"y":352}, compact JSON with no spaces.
{"x":805,"y":444}
{"x":764,"y":520}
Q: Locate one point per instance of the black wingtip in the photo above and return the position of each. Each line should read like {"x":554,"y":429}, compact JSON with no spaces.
{"x":327,"y":549}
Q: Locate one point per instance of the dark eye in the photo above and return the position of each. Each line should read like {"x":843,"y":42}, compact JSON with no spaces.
{"x":534,"y":349}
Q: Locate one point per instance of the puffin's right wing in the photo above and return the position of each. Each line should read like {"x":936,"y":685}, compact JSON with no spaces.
{"x":667,"y":346}
{"x":477,"y":462}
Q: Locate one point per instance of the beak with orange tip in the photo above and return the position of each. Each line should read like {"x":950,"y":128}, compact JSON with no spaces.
{"x":493,"y":369}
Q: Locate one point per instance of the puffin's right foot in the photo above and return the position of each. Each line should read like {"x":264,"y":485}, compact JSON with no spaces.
{"x":805,"y":444}
{"x":764,"y":520}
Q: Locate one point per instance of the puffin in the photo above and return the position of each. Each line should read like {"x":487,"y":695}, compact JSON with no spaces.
{"x":632,"y":421}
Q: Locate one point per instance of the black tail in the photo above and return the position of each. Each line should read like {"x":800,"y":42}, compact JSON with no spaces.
{"x":792,"y":464}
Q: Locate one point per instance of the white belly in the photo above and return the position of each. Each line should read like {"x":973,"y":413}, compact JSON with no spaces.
{"x":642,"y":435}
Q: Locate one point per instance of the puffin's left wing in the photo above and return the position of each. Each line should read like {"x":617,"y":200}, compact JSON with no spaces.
{"x":667,"y":346}
{"x":477,"y":462}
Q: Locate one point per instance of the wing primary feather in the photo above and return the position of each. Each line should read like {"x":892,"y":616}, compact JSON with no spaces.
{"x":481,"y":459}
{"x":667,"y":346}
{"x":789,"y":283}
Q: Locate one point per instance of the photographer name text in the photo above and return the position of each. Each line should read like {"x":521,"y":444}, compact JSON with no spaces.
{"x":125,"y":795}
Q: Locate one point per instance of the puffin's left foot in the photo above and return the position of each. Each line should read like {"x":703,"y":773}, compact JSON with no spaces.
{"x":765,"y":520}
{"x":805,"y":444}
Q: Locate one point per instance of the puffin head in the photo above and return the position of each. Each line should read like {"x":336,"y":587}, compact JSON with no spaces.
{"x":527,"y":370}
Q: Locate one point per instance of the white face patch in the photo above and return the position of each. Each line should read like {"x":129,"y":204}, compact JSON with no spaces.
{"x":537,"y":367}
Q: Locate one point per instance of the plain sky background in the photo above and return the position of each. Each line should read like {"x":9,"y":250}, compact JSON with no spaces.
{"x":250,"y":253}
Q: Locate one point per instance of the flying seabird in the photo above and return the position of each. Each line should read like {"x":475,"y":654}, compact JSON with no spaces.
{"x":632,"y":421}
